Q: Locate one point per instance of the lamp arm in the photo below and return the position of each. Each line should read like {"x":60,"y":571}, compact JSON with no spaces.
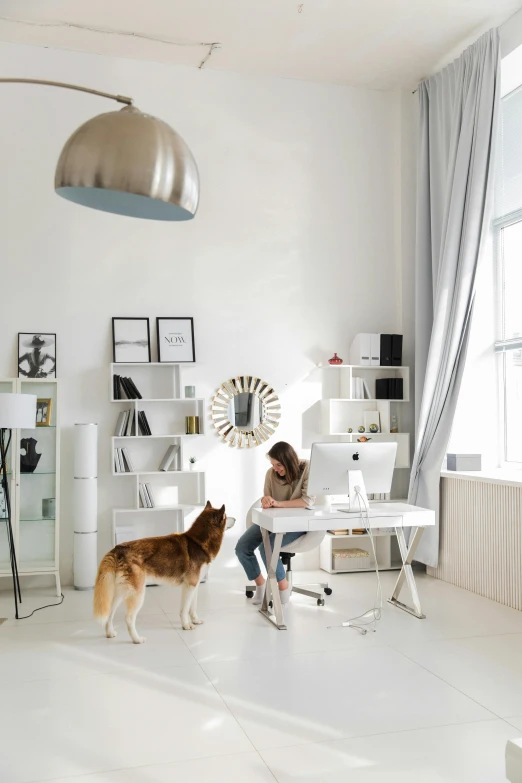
{"x":66,"y":86}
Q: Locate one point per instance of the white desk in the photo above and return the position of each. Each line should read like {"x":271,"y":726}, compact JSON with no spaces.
{"x":381,"y":515}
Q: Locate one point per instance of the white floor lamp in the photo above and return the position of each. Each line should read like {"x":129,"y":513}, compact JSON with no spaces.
{"x":17,"y":412}
{"x":85,"y":505}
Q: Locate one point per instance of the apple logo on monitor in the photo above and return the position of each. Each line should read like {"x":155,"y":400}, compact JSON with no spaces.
{"x":356,"y":456}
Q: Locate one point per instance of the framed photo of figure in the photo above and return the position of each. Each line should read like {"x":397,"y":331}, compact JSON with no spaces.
{"x":131,"y":340}
{"x":36,"y":355}
{"x":43,"y":412}
{"x":176,"y":339}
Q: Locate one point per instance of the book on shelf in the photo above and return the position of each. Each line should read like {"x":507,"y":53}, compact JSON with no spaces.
{"x":143,"y":496}
{"x":150,"y":496}
{"x":116,"y":393}
{"x":116,"y":462}
{"x":120,"y":464}
{"x":127,"y":461}
{"x":126,"y":388}
{"x":338,"y":532}
{"x":134,"y":389}
{"x":396,"y":350}
{"x":120,"y":424}
{"x":361,"y":390}
{"x":386,"y":350}
{"x":389,"y":388}
{"x":130,"y":423}
{"x":143,"y":423}
{"x":169,"y":456}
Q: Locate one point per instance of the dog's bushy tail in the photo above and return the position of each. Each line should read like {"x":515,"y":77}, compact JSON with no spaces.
{"x":104,"y":589}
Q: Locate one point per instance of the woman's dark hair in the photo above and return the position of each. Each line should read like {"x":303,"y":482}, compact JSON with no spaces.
{"x":284,"y":453}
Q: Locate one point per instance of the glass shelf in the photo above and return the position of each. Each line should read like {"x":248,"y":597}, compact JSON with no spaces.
{"x":43,"y":427}
{"x":39,"y":519}
{"x":40,"y":473}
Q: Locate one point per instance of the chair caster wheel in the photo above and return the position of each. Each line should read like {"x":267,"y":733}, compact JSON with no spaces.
{"x":320,"y":602}
{"x":328,"y":590}
{"x":249,"y":593}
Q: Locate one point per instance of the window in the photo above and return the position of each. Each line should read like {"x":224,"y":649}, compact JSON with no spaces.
{"x":508,"y":242}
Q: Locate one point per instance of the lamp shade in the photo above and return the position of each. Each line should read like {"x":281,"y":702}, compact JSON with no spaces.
{"x":17,"y":411}
{"x":129,"y":163}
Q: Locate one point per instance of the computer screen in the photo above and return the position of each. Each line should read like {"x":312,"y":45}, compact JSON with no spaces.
{"x":330,"y":463}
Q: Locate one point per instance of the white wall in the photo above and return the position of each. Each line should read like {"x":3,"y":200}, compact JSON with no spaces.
{"x":291,"y":253}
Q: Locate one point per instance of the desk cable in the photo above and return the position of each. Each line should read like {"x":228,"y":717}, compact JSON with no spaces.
{"x":368,"y":620}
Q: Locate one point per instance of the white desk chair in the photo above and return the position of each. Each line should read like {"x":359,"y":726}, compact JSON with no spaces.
{"x":306,"y":543}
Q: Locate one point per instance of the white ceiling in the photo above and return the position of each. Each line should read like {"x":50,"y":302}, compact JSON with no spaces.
{"x":374,"y":43}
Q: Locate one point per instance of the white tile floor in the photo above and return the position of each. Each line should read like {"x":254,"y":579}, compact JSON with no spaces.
{"x":430,"y":701}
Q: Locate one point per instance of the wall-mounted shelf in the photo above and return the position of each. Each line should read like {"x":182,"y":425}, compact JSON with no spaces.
{"x":178,"y":493}
{"x":328,"y":421}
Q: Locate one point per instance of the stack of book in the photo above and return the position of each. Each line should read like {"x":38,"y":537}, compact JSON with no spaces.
{"x":168,"y":459}
{"x":143,"y":424}
{"x":122,"y":462}
{"x":360,"y":389}
{"x":389,"y":388}
{"x":146,"y":496}
{"x":126,"y":424}
{"x":125,"y":388}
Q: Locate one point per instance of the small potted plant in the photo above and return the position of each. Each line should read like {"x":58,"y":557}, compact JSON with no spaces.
{"x":192,"y":462}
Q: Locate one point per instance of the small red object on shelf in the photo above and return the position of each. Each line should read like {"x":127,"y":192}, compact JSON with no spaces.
{"x":335,"y":360}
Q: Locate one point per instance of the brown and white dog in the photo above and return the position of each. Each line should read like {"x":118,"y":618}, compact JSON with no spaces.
{"x":176,"y":559}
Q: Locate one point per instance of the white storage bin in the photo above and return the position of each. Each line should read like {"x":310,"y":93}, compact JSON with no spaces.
{"x":351,"y":559}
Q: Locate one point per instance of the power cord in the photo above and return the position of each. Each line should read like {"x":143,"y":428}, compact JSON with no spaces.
{"x":369,"y":619}
{"x":26,"y":616}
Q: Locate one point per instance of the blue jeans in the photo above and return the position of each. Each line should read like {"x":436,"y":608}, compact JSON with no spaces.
{"x":251,"y":540}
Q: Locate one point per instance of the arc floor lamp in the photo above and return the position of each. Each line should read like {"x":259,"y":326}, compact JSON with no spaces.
{"x":126,"y":162}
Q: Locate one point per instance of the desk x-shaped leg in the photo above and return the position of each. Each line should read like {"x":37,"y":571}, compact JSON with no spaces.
{"x":272,"y":590}
{"x":407,"y":554}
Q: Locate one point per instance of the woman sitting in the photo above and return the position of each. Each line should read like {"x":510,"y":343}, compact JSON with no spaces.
{"x":286,"y":486}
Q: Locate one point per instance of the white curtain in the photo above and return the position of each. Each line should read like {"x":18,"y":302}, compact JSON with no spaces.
{"x":458,"y":118}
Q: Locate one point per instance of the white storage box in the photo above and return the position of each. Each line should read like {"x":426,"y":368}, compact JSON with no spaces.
{"x":464,"y":461}
{"x":353,"y":559}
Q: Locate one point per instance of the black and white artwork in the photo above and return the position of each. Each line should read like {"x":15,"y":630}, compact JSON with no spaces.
{"x":176,"y":339}
{"x":131,"y":340}
{"x":36,"y":355}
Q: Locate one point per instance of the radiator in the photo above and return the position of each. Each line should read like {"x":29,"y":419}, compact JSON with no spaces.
{"x":480,"y":539}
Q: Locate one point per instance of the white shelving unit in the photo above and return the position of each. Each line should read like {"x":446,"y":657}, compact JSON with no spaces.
{"x":329,"y":420}
{"x":386,"y":548}
{"x":179,"y":494}
{"x":36,"y":536}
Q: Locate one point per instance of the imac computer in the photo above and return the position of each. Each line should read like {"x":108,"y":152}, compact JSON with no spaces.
{"x":351,"y":469}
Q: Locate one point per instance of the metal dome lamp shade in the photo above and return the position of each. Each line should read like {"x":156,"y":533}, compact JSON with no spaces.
{"x":127,"y":163}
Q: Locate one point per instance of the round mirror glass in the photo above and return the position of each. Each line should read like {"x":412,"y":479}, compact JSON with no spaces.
{"x":246,"y":411}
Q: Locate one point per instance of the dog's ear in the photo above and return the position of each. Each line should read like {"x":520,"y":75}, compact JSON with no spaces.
{"x":222,"y":510}
{"x":209,"y":504}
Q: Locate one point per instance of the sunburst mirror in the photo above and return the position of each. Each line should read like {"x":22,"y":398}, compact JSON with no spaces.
{"x":246,"y":411}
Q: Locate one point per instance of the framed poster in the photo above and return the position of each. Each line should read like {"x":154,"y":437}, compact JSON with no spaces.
{"x":176,"y":340}
{"x":131,"y":340}
{"x":36,"y":355}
